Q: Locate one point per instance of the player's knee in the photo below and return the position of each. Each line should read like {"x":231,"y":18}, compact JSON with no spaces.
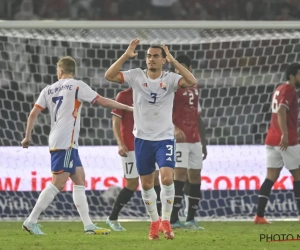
{"x":79,"y":182}
{"x":194,"y":176}
{"x":147,"y":182}
{"x":273,"y":174}
{"x":59,"y":185}
{"x":132,"y":184}
{"x":166,"y":180}
{"x":180,"y":174}
{"x":166,"y":176}
{"x":60,"y":180}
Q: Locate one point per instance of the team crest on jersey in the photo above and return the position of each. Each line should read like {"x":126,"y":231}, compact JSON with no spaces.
{"x":163,"y":85}
{"x":145,"y":85}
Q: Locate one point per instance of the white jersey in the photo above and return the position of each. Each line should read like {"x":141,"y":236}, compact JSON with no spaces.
{"x":153,"y":103}
{"x":64,"y":100}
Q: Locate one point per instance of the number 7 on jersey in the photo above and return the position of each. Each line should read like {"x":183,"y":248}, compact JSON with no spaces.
{"x":55,"y":99}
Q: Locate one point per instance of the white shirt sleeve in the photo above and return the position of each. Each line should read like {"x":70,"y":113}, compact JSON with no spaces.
{"x":129,"y":76}
{"x":41,"y":101}
{"x":85,"y":93}
{"x":174,"y":80}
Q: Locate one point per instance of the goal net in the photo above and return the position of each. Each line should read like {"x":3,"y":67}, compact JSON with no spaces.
{"x":237,"y":70}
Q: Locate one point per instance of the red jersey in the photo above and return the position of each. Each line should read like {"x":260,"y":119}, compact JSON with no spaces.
{"x":127,"y":121}
{"x":285,"y":95}
{"x":185,"y":113}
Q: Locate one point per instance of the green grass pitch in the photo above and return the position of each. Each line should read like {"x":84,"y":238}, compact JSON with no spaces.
{"x":216,"y":236}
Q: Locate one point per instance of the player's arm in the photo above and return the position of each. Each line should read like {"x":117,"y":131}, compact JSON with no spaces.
{"x":188,"y":79}
{"x":30,"y":124}
{"x":285,"y":99}
{"x":201,"y":129}
{"x":109,"y":103}
{"x":282,"y":121}
{"x":117,"y":132}
{"x":178,"y":133}
{"x":113,"y":74}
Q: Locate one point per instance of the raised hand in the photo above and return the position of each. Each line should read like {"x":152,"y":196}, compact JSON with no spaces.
{"x":169,"y":57}
{"x":131,"y":48}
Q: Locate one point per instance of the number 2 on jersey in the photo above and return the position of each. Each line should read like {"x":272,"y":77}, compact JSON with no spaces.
{"x":275,"y":102}
{"x":191,"y":101}
{"x":55,"y":99}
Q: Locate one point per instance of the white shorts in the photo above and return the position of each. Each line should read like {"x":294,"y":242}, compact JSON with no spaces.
{"x":129,"y":166}
{"x":189,"y":155}
{"x":277,"y":158}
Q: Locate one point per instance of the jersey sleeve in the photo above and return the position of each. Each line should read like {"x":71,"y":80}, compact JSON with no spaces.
{"x":41,"y":102}
{"x":84,"y":93}
{"x":129,"y":76}
{"x":174,"y":80}
{"x":286,"y":97}
{"x":118,"y":112}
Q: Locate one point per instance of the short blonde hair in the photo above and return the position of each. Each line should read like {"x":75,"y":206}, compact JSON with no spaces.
{"x":67,"y":64}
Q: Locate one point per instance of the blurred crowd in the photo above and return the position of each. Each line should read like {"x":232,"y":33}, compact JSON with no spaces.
{"x":150,"y":9}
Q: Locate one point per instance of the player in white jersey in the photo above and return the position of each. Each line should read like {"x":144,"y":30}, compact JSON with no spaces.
{"x":153,"y":95}
{"x":64,"y":100}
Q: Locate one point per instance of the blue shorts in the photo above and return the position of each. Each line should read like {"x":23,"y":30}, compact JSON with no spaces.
{"x":65,"y":161}
{"x":149,"y":152}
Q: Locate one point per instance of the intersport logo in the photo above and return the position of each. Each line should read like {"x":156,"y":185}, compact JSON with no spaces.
{"x":36,"y":181}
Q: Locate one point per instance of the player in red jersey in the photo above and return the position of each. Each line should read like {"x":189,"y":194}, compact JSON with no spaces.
{"x":282,"y":140}
{"x":122,"y":126}
{"x":189,"y":128}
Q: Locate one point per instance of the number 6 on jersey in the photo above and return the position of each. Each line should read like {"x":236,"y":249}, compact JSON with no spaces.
{"x":275,"y":105}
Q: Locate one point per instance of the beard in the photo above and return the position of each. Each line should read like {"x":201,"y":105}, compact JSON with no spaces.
{"x":152,"y":69}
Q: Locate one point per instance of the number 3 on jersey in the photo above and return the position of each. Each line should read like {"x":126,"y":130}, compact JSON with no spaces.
{"x":153,"y":95}
{"x":275,"y":105}
{"x":55,"y":99}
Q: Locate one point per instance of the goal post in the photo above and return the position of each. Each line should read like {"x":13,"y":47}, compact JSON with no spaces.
{"x":237,"y":63}
{"x":216,"y":25}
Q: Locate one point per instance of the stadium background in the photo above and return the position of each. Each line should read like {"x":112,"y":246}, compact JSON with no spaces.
{"x":237,"y":71}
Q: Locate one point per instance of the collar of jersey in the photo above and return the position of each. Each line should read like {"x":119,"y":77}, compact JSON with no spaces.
{"x":149,"y":79}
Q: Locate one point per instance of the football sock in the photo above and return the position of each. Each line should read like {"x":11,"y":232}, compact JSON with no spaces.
{"x":44,"y":200}
{"x":122,"y":199}
{"x":158,"y":202}
{"x":194,"y":198}
{"x":167,"y":198}
{"x":81,"y":204}
{"x":297,"y":194}
{"x":177,"y":200}
{"x":149,"y":198}
{"x":263,"y":197}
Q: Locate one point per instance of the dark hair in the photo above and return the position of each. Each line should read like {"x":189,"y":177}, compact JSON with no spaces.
{"x":292,"y":69}
{"x":183,"y":58}
{"x":158,"y":46}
